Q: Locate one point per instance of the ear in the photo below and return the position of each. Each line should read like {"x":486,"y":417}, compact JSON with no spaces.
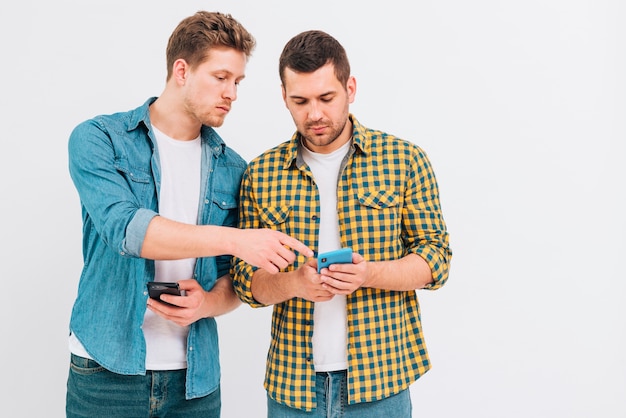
{"x":351,"y":88}
{"x":179,"y":71}
{"x":284,"y":93}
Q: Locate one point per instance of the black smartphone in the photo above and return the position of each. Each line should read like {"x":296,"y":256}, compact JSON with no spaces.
{"x":156,"y":289}
{"x":343,"y":255}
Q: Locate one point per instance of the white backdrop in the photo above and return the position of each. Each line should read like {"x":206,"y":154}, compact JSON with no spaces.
{"x":519,"y":104}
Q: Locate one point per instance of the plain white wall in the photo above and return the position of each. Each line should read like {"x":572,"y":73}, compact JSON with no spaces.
{"x":519,"y":104}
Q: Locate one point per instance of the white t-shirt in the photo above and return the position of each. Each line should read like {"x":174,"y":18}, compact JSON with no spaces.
{"x":179,"y":194}
{"x":330,"y":327}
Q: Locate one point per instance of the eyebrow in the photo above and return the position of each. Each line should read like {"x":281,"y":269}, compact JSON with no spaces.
{"x":228,"y":72}
{"x":328,"y":93}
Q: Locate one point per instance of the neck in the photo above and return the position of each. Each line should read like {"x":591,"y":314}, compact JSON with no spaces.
{"x":171,"y":119}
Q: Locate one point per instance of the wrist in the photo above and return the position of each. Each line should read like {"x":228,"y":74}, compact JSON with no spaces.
{"x":228,"y":238}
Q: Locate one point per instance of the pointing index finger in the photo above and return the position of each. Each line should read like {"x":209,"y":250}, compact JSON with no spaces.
{"x":297,"y":246}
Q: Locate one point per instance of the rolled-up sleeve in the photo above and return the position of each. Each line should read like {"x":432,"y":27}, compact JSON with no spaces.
{"x":424,"y":228}
{"x":109,"y":183}
{"x":136,"y":232}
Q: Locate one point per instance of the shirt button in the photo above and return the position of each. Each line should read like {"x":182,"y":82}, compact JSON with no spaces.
{"x":314,"y":217}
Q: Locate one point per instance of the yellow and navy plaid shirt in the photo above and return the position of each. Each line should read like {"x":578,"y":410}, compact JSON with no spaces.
{"x":388,"y":207}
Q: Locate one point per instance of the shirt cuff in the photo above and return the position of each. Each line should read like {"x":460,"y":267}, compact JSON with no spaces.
{"x":136,"y":232}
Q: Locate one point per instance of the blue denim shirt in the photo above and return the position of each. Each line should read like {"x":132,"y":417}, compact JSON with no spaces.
{"x":114,"y":164}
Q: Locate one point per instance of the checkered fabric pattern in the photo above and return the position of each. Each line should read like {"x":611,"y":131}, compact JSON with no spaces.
{"x":388,"y":207}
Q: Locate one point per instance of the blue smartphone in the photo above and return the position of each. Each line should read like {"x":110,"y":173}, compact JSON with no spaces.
{"x":343,"y":255}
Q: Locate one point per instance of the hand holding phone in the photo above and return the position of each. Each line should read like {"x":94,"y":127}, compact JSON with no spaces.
{"x":341,"y":256}
{"x":156,"y":289}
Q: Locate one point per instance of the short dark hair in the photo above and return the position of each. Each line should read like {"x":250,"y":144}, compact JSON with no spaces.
{"x":195,"y":35}
{"x":311,"y":50}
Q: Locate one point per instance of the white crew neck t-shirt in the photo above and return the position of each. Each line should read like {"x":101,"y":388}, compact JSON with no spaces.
{"x":179,"y":194}
{"x":330,"y":328}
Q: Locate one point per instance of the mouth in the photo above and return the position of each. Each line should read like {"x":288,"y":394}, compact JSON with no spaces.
{"x":317,"y":130}
{"x":224,"y":108}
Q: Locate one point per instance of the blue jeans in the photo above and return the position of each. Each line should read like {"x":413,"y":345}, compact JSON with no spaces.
{"x":332,"y":402}
{"x":93,"y":391}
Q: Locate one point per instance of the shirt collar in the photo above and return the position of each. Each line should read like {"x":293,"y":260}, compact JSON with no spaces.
{"x":141,"y":115}
{"x":359,"y":143}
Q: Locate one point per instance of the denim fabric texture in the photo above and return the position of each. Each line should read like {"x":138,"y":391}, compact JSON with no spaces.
{"x":105,"y":394}
{"x":332,"y":402}
{"x":114,"y":164}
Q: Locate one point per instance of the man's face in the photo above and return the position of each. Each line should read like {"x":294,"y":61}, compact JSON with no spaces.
{"x":211,"y":88}
{"x":319,"y":104}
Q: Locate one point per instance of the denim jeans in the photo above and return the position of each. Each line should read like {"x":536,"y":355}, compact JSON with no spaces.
{"x":332,"y":402}
{"x":93,"y":391}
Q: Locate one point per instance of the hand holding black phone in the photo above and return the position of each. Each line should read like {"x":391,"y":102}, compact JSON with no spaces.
{"x":156,"y":289}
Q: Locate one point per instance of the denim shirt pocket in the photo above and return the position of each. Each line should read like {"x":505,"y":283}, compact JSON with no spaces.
{"x":139,"y":180}
{"x":225,"y":209}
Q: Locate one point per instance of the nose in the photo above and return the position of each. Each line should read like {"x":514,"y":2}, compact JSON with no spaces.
{"x":230,"y":92}
{"x":315,"y":111}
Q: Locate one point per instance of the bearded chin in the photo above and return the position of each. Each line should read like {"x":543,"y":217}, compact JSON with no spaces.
{"x":213,"y":121}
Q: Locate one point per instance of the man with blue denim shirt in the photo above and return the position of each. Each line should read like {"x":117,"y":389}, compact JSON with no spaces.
{"x":159,"y":194}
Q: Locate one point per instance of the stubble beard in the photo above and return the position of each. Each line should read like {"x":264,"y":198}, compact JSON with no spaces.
{"x":326,"y":139}
{"x":205,"y":118}
{"x":213,"y":121}
{"x":322,"y":140}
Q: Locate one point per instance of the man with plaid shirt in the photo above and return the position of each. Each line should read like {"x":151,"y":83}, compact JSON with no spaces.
{"x":348,"y":341}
